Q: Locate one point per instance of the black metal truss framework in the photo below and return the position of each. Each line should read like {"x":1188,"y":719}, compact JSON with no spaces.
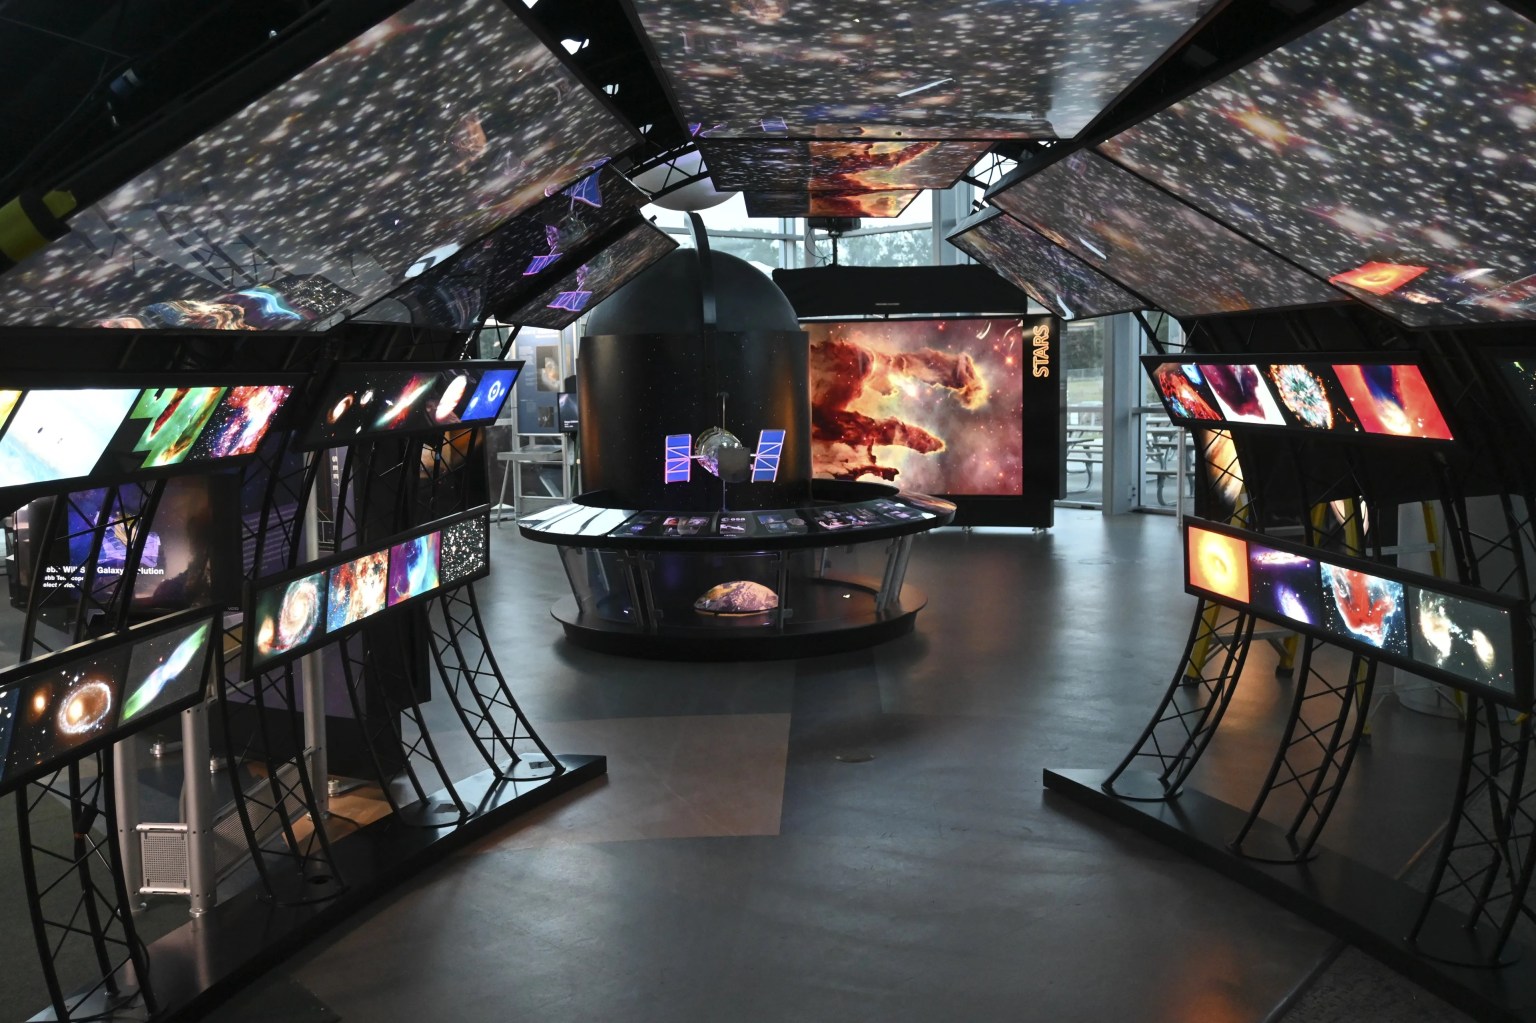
{"x":77,"y":897}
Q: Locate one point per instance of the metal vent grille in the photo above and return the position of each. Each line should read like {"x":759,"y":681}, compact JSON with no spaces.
{"x":163,"y":848}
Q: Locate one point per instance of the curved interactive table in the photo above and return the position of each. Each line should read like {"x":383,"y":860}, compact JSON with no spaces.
{"x":733,"y":585}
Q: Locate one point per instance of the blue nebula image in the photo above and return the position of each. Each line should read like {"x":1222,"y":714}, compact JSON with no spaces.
{"x":413,"y":567}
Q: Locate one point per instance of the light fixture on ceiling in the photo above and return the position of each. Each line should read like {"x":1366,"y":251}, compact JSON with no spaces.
{"x":572,"y":45}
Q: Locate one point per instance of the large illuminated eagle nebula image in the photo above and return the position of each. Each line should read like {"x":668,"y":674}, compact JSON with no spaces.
{"x":933,"y":405}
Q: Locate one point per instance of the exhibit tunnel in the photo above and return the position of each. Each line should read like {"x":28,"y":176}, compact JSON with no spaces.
{"x":782,"y":509}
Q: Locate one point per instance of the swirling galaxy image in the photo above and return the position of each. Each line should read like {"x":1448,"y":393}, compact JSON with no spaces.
{"x":176,"y":417}
{"x":934,"y":405}
{"x":240,"y":422}
{"x":165,"y":669}
{"x":289,"y":616}
{"x":1398,"y":134}
{"x":356,"y":590}
{"x":1365,"y":608}
{"x":1284,"y":586}
{"x":1242,"y":395}
{"x":65,"y":707}
{"x":397,"y":406}
{"x":1043,"y":270}
{"x":1218,"y":564}
{"x":1184,"y":391}
{"x":1462,"y":637}
{"x":413,"y":567}
{"x":57,"y":435}
{"x":463,"y":552}
{"x":1393,"y":400}
{"x":1311,"y":395}
{"x":490,"y":395}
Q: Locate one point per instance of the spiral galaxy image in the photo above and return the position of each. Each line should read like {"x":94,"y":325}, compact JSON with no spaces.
{"x":289,"y":616}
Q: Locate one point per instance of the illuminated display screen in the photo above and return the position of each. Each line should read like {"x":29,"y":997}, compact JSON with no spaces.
{"x":828,"y":204}
{"x":166,"y":670}
{"x":363,"y":400}
{"x":1388,"y":150}
{"x":413,"y":567}
{"x":1046,"y":272}
{"x":933,"y":405}
{"x":356,"y":590}
{"x":564,"y":301}
{"x":1153,"y":244}
{"x":1413,"y":621}
{"x":289,"y":617}
{"x":414,"y":139}
{"x":66,"y":706}
{"x":1393,"y":400}
{"x":59,"y":435}
{"x":973,"y":69}
{"x":786,"y":165}
{"x":1242,"y":395}
{"x":1519,"y":372}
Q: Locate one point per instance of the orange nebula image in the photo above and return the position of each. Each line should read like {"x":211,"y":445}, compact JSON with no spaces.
{"x":1393,"y":400}
{"x":1218,"y":564}
{"x":1378,"y":278}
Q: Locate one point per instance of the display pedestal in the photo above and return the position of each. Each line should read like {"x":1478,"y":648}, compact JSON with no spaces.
{"x":1356,"y":903}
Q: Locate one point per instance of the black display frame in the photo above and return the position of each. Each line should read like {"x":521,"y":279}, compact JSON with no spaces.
{"x":252,"y":664}
{"x":1495,"y":357}
{"x":45,"y":380}
{"x":315,"y":406}
{"x":18,"y":675}
{"x":1521,"y":699}
{"x":1301,"y":358}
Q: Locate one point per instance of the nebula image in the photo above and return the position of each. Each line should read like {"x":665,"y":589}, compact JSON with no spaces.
{"x":933,"y":404}
{"x":413,"y":567}
{"x":1365,"y":608}
{"x":463,"y":552}
{"x":887,"y":203}
{"x":1284,"y":586}
{"x":1462,"y":637}
{"x":594,"y":280}
{"x":448,"y":402}
{"x":794,"y":167}
{"x":1042,"y":269}
{"x":1311,"y":395}
{"x":1378,"y":278}
{"x":176,"y":417}
{"x":397,"y":406}
{"x":1393,"y":399}
{"x":740,"y":597}
{"x":288,"y":615}
{"x":1184,"y":391}
{"x":1218,"y":564}
{"x":58,"y":435}
{"x":1241,"y":394}
{"x":166,"y":669}
{"x":356,"y":590}
{"x":65,"y":706}
{"x":241,"y":420}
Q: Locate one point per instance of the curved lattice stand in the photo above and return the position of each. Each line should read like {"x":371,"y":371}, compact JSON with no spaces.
{"x":92,"y":960}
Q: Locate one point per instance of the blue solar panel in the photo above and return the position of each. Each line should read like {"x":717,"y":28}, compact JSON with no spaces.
{"x":679,"y":457}
{"x":586,"y":191}
{"x":770,"y":446}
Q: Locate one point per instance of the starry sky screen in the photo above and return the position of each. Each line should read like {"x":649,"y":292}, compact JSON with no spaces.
{"x":567,"y":299}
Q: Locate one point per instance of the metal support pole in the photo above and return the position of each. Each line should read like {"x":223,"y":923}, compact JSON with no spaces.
{"x":195,"y":757}
{"x":125,"y":793}
{"x":312,"y":683}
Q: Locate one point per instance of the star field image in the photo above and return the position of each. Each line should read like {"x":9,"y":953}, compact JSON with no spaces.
{"x":600,"y":276}
{"x":828,"y":204}
{"x":9,"y":697}
{"x":240,"y":422}
{"x":1046,"y":272}
{"x":1154,"y":245}
{"x":421,"y":134}
{"x":932,"y":405}
{"x":1398,"y":140}
{"x":971,"y":69}
{"x":463,"y":552}
{"x":787,"y":165}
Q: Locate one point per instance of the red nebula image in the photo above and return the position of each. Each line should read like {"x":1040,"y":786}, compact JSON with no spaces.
{"x":1378,"y":278}
{"x":1393,"y":400}
{"x":934,"y":404}
{"x":1218,"y":564}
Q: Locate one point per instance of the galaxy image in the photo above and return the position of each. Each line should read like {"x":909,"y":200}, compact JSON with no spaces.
{"x":175,"y":419}
{"x":969,"y":69}
{"x":463,"y":552}
{"x":240,"y":422}
{"x":357,"y":589}
{"x":1462,"y":637}
{"x":601,"y":276}
{"x":935,"y":405}
{"x":786,"y":165}
{"x":420,"y":135}
{"x":65,"y":706}
{"x":1312,"y":396}
{"x":1044,"y":271}
{"x":288,"y":615}
{"x":829,"y":204}
{"x":741,"y":597}
{"x":9,"y":697}
{"x":413,"y":567}
{"x":489,"y":396}
{"x":401,"y":406}
{"x":1396,"y":135}
{"x":1218,"y":564}
{"x":1241,"y":394}
{"x":1184,"y":391}
{"x":1151,"y":243}
{"x":166,"y":669}
{"x":1393,"y":399}
{"x":1365,"y":608}
{"x":1284,"y":586}
{"x":58,"y":435}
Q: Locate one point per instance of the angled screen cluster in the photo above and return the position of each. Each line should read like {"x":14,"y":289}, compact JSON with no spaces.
{"x":1154,"y":245}
{"x":51,"y":434}
{"x":299,"y":611}
{"x":57,"y":708}
{"x":316,"y":200}
{"x":788,"y":165}
{"x":1359,"y":398}
{"x":564,"y":301}
{"x":361,"y":400}
{"x":829,"y":204}
{"x":1470,"y":640}
{"x":1044,"y":271}
{"x":1388,"y":151}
